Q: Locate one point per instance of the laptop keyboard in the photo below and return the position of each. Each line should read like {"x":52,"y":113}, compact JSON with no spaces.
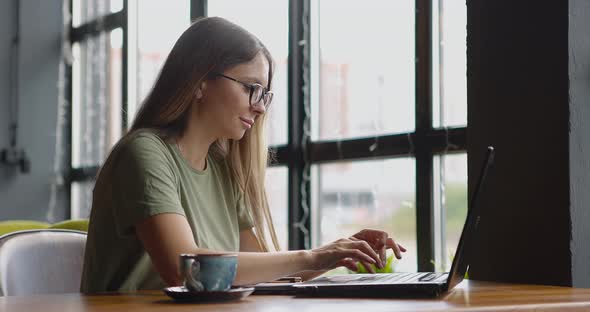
{"x":388,"y":278}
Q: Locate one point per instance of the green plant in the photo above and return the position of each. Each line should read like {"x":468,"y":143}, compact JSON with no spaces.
{"x":387,"y":268}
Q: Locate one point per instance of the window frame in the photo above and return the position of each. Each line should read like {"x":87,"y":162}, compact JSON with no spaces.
{"x":300,"y":153}
{"x":92,"y":28}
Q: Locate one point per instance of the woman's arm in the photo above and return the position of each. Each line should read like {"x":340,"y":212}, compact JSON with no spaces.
{"x":378,"y":240}
{"x":166,"y":236}
{"x":249,"y":243}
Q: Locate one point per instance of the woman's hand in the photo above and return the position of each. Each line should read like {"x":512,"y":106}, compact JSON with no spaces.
{"x":380,"y":242}
{"x":343,"y":252}
{"x":366,"y":246}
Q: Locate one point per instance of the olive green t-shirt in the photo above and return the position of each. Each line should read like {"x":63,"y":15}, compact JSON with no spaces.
{"x":145,"y":176}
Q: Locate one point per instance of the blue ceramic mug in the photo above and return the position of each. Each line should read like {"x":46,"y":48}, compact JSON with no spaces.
{"x":208,"y":272}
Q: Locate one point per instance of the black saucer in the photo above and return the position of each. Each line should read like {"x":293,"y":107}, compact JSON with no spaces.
{"x":180,"y":293}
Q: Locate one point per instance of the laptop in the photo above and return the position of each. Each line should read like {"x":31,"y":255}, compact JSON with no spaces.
{"x":428,"y":284}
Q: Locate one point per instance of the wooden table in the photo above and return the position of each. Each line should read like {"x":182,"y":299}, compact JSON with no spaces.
{"x":468,"y":296}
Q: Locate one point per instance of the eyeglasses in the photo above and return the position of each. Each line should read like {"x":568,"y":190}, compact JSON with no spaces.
{"x":257,"y":92}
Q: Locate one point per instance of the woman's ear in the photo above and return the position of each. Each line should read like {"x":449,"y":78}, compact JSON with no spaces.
{"x":200,"y":90}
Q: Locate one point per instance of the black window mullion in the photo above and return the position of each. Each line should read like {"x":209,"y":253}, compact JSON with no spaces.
{"x":424,"y":177}
{"x":198,"y":9}
{"x":280,"y":155}
{"x":298,"y":220}
{"x":67,"y":158}
{"x":424,"y":210}
{"x":395,"y":145}
{"x":104,"y":23}
{"x":86,"y":173}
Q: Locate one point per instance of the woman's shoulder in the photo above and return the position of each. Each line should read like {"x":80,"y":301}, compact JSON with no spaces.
{"x":145,"y":138}
{"x":138,"y":155}
{"x":143,"y":145}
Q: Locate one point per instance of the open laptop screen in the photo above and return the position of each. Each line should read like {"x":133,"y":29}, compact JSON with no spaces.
{"x":461,"y":260}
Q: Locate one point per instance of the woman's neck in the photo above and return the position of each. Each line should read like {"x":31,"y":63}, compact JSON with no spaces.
{"x":194,"y":146}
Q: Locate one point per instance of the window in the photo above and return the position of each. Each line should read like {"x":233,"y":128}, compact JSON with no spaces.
{"x":368,"y":121}
{"x":363,"y":86}
{"x":272,"y":30}
{"x":381,"y":98}
{"x":376,"y":194}
{"x":449,"y":35}
{"x":84,"y":11}
{"x":276,"y":190}
{"x":450,"y":201}
{"x":275,"y":38}
{"x":154,"y":26}
{"x":96,"y":108}
{"x":96,"y":87}
{"x":81,"y":199}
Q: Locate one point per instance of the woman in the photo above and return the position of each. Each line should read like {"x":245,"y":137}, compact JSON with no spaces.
{"x":189,"y":175}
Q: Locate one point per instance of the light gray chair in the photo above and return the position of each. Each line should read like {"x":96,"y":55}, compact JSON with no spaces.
{"x":44,"y":261}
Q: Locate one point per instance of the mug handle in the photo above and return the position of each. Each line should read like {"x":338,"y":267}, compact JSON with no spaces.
{"x":189,"y":267}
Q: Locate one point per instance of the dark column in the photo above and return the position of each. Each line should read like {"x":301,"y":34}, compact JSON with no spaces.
{"x":518,"y":95}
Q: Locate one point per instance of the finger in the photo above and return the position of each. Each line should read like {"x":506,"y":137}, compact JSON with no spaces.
{"x":382,"y":250}
{"x":402,"y":248}
{"x":358,"y":255}
{"x":381,"y":238}
{"x":383,"y":255}
{"x":368,"y":267}
{"x":376,"y":237}
{"x":349,"y":264}
{"x":373,"y":237}
{"x":381,"y":246}
{"x":367,"y":249}
{"x":393,"y":245}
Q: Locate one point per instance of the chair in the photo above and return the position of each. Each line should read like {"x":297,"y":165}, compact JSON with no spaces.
{"x":41,"y":262}
{"x":78,"y":225}
{"x":20,"y":225}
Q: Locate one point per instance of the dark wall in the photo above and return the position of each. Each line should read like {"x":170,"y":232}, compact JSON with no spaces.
{"x":26,"y":196}
{"x":518,"y":97}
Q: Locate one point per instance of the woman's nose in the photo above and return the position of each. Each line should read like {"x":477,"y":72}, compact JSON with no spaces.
{"x":259,"y":108}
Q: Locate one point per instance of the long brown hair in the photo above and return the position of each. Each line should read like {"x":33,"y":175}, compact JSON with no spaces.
{"x":213,"y":45}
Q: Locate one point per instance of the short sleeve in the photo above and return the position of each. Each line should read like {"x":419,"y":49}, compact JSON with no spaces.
{"x":144,"y":183}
